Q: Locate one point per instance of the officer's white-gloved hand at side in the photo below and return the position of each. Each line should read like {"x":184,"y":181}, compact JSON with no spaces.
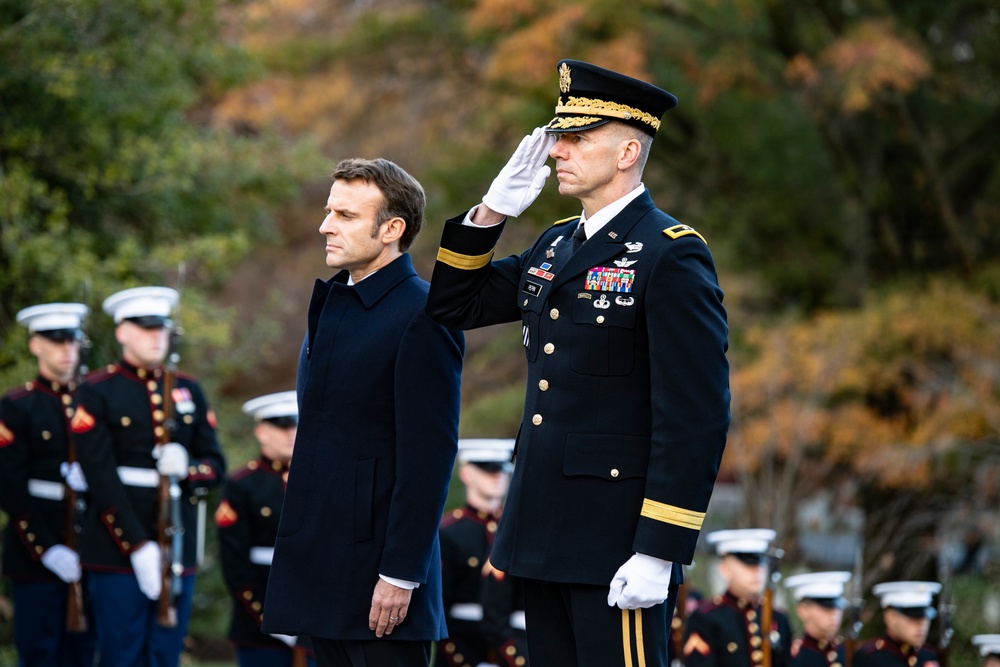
{"x":147,"y":564}
{"x":63,"y":561}
{"x":641,"y":582}
{"x":171,"y":460}
{"x":522,"y":178}
{"x":288,"y":639}
{"x":73,"y":474}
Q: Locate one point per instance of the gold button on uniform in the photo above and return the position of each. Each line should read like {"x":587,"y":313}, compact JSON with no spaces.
{"x":731,"y":647}
{"x":543,"y":385}
{"x":473,"y":562}
{"x":753,"y":627}
{"x":549,"y":348}
{"x":158,"y":415}
{"x":600,"y":319}
{"x":126,"y":421}
{"x":46,"y":435}
{"x":614,"y":472}
{"x":554,"y":313}
{"x":757,"y":656}
{"x":831,"y":656}
{"x":67,"y":399}
{"x":536,"y":420}
{"x":69,"y":412}
{"x":265,"y":511}
{"x":151,"y":385}
{"x":156,"y":399}
{"x":756,"y":641}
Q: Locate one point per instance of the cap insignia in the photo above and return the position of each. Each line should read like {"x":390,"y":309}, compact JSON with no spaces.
{"x":564,"y":78}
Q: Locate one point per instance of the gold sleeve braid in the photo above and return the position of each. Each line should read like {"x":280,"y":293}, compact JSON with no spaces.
{"x":463,"y":262}
{"x":677,"y":516}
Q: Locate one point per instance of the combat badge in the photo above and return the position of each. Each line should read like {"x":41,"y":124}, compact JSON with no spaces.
{"x":633,"y":246}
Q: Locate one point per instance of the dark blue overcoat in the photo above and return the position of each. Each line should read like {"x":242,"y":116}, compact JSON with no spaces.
{"x":378,"y":429}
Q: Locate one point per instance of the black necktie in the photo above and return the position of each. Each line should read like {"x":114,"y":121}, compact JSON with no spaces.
{"x":579,"y":236}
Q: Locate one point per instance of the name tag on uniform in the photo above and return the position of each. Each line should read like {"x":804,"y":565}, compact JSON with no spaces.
{"x":531,"y":287}
{"x":609,"y":279}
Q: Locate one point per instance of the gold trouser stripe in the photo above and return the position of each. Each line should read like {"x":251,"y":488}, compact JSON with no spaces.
{"x":626,"y":638}
{"x":672,"y":514}
{"x":640,"y":651}
{"x":464,"y":262}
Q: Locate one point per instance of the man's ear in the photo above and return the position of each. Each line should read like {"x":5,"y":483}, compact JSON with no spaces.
{"x":393,"y":229}
{"x":630,"y":154}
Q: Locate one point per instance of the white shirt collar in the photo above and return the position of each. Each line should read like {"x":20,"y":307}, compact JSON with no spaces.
{"x":350,"y":280}
{"x":593,"y":224}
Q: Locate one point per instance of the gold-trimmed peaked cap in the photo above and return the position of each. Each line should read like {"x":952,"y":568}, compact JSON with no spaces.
{"x":590,"y":96}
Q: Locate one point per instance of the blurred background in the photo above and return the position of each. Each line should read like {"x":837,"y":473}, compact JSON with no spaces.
{"x":839,"y":156}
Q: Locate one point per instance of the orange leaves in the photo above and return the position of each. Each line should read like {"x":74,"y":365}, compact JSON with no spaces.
{"x":884,"y":390}
{"x":871,"y":59}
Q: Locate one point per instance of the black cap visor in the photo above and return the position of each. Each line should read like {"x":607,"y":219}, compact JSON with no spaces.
{"x":492,"y":466}
{"x":827,"y":603}
{"x":61,"y":335}
{"x":151,"y":321}
{"x":749,"y":558}
{"x":916,"y":612}
{"x":286,"y":421}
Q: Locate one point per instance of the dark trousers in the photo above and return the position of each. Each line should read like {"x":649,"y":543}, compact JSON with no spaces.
{"x":127,"y":632}
{"x":571,"y":625}
{"x":375,"y":653}
{"x":40,"y":628}
{"x":267,"y":657}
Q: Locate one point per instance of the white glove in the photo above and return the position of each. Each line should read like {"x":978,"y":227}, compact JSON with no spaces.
{"x":147,"y":564}
{"x":74,"y":476}
{"x":522,"y":178}
{"x":63,"y":561}
{"x":642,"y":581}
{"x":171,"y":460}
{"x":288,"y":639}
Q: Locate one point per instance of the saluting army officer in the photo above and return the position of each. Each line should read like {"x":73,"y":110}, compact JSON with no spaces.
{"x":907,"y":612}
{"x":727,"y":630}
{"x":466,"y":535}
{"x":819,"y":604}
{"x":989,"y":649}
{"x":247,"y":519}
{"x":627,"y":404}
{"x":34,"y":428}
{"x":120,"y":418}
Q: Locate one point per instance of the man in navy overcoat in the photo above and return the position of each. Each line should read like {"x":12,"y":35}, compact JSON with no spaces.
{"x":357,"y":564}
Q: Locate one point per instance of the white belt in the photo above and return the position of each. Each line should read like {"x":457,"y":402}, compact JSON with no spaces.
{"x":466,"y":611}
{"x":517,"y":620}
{"x":147,"y":478}
{"x":41,"y":488}
{"x":261,"y":555}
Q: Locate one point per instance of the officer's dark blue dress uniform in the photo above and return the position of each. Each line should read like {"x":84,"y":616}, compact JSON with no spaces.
{"x":627,"y":403}
{"x":119,"y":418}
{"x":34,"y":422}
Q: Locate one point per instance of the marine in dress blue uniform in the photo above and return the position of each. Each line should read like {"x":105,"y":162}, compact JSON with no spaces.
{"x":466,"y":535}
{"x":119,"y":419}
{"x":247,"y":522}
{"x":907,"y":612}
{"x":357,"y":562}
{"x":989,"y":649}
{"x":627,"y":402}
{"x":727,"y":630}
{"x":819,"y":604}
{"x":34,"y":432}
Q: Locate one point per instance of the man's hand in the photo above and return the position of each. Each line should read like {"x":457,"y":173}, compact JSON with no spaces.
{"x":63,"y":561}
{"x":147,"y":564}
{"x":73,"y":474}
{"x":642,"y":581}
{"x":171,"y":460}
{"x":522,"y":178}
{"x":389,"y":606}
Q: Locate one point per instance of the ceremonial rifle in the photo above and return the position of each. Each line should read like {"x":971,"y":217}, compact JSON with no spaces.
{"x":170,"y":523}
{"x":767,"y":608}
{"x":854,"y":606}
{"x":76,"y":619}
{"x":946,"y":609}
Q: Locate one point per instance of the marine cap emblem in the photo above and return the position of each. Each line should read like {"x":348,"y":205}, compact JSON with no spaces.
{"x":564,"y":78}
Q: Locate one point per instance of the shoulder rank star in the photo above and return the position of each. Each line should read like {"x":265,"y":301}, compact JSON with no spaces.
{"x":625,"y":262}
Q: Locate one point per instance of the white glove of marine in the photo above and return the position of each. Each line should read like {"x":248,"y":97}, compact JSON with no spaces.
{"x":63,"y":561}
{"x":288,"y":639}
{"x":147,"y":564}
{"x":171,"y":460}
{"x":642,"y":581}
{"x":522,"y":178}
{"x":74,"y":476}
